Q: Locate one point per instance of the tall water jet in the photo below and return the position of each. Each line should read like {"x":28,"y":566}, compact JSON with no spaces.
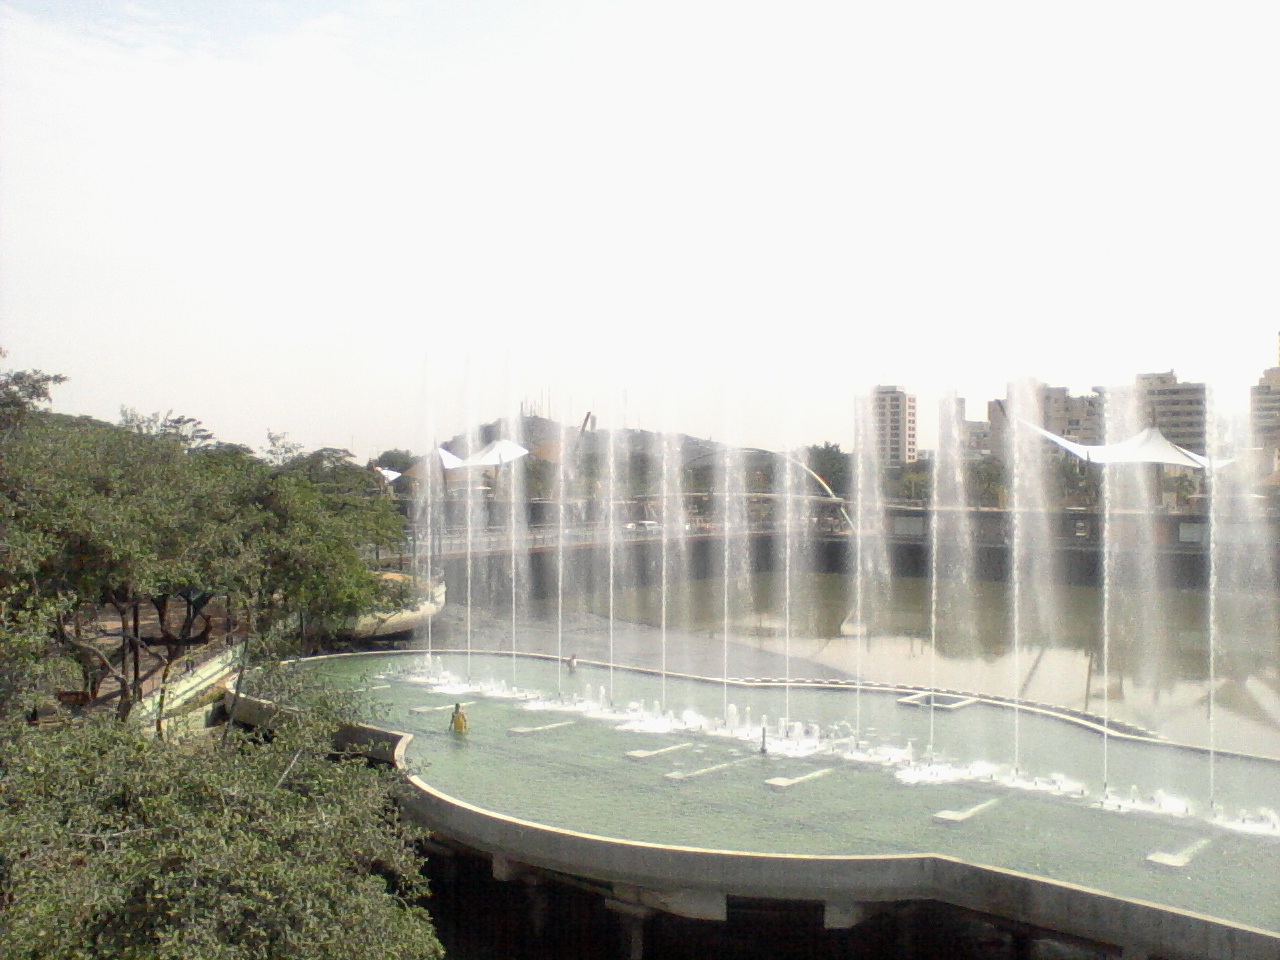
{"x":471,"y":503}
{"x":670,"y":519}
{"x":1242,"y":614}
{"x":869,"y":550}
{"x":610,"y":493}
{"x":427,"y":519}
{"x":1032,"y":562}
{"x":562,"y":493}
{"x":516,"y":495}
{"x":787,"y":498}
{"x":735,"y":550}
{"x":951,"y":548}
{"x":1133,"y":607}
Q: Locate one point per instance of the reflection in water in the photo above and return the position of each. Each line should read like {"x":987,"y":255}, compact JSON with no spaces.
{"x":1158,"y":679}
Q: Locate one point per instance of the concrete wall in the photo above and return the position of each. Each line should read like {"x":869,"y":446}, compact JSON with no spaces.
{"x":376,"y":743}
{"x":187,"y":686}
{"x":1139,"y":929}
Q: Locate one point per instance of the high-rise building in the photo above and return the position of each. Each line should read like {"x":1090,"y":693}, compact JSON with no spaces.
{"x":977,"y":438}
{"x":1076,"y":418}
{"x":1264,"y":410}
{"x":1176,"y":409}
{"x":895,"y":413}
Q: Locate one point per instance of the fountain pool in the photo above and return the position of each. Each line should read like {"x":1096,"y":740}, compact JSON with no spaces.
{"x":685,"y":778}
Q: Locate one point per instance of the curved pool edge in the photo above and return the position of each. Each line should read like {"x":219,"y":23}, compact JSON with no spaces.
{"x":1139,"y":928}
{"x":1078,"y":718}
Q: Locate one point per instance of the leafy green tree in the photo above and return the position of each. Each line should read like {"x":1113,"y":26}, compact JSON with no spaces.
{"x":117,"y":845}
{"x":21,"y":392}
{"x":915,"y":483}
{"x":317,"y":512}
{"x":32,"y":663}
{"x":1181,"y":484}
{"x":280,"y":449}
{"x":187,"y":431}
{"x":1078,"y":484}
{"x":540,"y":478}
{"x":401,"y":461}
{"x":831,"y":463}
{"x":986,"y":482}
{"x":97,"y":515}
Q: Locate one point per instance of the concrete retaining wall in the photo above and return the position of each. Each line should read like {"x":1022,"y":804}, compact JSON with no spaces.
{"x":250,"y":710}
{"x":1139,"y":929}
{"x":187,"y":686}
{"x":376,"y":743}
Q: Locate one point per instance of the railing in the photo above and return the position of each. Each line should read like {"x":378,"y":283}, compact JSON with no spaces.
{"x":1177,"y":533}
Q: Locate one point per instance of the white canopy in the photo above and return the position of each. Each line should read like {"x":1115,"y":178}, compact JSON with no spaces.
{"x":448,"y":460}
{"x":495,"y":454}
{"x":498,"y":452}
{"x":1149,"y":446}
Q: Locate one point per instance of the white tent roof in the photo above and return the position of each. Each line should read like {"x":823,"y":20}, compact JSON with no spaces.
{"x":496,"y":453}
{"x":500,"y":451}
{"x":1149,"y":446}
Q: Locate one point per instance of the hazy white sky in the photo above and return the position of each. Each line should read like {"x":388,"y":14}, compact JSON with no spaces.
{"x":327,"y":218}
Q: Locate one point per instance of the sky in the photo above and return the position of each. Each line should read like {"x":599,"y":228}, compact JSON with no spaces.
{"x":365,"y":224}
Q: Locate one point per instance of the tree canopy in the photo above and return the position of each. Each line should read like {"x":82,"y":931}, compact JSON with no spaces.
{"x":117,"y":845}
{"x":156,"y":513}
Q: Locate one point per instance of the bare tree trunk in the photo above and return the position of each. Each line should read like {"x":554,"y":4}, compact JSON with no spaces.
{"x":126,"y":692}
{"x":137,"y":654}
{"x":244,"y":662}
{"x":164,"y":690}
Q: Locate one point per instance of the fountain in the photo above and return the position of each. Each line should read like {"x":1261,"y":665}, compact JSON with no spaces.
{"x":775,"y":659}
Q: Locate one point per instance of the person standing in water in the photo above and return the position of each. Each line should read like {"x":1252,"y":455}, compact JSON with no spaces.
{"x":458,"y":721}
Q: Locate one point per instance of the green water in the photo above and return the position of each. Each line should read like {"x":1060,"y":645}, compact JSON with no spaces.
{"x":1157,"y":666}
{"x":578,"y":777}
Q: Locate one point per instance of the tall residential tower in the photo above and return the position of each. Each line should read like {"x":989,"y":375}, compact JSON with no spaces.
{"x":895,"y":412}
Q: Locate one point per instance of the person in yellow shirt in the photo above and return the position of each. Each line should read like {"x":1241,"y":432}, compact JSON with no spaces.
{"x":458,"y":721}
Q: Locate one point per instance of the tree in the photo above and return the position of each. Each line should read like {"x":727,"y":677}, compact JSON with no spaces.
{"x":103,"y":516}
{"x":21,"y":392}
{"x":32,"y":664}
{"x":280,"y":449}
{"x":1077,"y":483}
{"x":985,"y":481}
{"x":915,"y":483}
{"x":540,"y":477}
{"x":98,"y":515}
{"x":401,"y":461}
{"x":1181,"y":484}
{"x":114,"y":844}
{"x":187,"y":431}
{"x":832,"y":464}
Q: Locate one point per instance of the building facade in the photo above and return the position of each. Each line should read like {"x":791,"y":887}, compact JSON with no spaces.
{"x":895,"y":416}
{"x":1079,"y":419}
{"x":1176,"y":409}
{"x":1264,"y":411}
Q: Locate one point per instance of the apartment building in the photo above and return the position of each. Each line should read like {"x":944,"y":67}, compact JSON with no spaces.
{"x":895,"y":417}
{"x":1077,"y":418}
{"x":1176,"y":409}
{"x":1264,"y":410}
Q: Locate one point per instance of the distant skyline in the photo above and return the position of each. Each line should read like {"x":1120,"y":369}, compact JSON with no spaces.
{"x":348,"y":220}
